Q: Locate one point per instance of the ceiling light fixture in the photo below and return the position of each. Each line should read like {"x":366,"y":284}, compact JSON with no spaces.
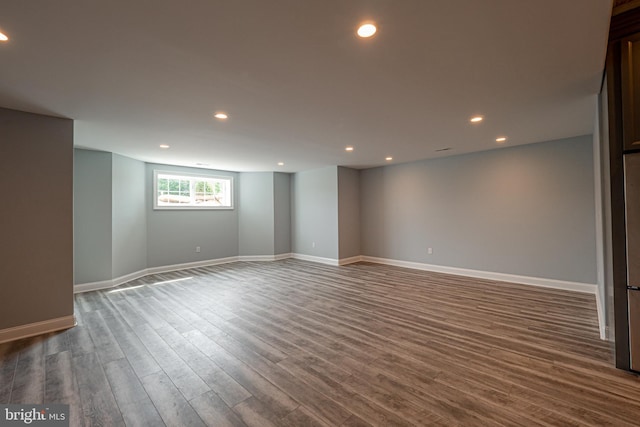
{"x":221,"y":116}
{"x":349,"y":148}
{"x":280,"y":163}
{"x":388,"y":158}
{"x":164,"y":146}
{"x":3,"y":37}
{"x":476,"y":119}
{"x":366,"y":30}
{"x":501,"y":139}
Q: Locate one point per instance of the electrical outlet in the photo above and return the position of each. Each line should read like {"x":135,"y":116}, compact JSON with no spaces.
{"x":197,"y":249}
{"x":430,"y":251}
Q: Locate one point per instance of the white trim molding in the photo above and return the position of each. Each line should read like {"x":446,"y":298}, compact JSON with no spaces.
{"x":187,"y":265}
{"x":280,"y":257}
{"x":351,"y":260}
{"x":106,"y":284}
{"x":250,"y":258}
{"x":588,"y":288}
{"x":328,"y":261}
{"x":92,"y":286}
{"x":277,"y":257}
{"x":320,"y":260}
{"x":602,"y":326}
{"x":37,"y":328}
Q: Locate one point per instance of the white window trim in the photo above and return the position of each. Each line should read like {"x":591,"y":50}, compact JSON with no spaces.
{"x":157,"y":172}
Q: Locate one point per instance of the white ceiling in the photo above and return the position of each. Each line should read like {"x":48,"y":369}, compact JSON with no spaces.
{"x":297,"y":83}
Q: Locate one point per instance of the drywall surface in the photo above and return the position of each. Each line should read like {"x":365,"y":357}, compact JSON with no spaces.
{"x":129,"y":216}
{"x":172,"y":235}
{"x":36,"y":218}
{"x":314,"y":213}
{"x":282,"y":212}
{"x":256,"y":213}
{"x":525,"y":210}
{"x":348,"y":212}
{"x":92,"y":216}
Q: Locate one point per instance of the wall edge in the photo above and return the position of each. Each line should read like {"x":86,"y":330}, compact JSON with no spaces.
{"x":37,"y":328}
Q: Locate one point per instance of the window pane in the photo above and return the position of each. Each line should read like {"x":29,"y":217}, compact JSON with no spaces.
{"x":192,"y":191}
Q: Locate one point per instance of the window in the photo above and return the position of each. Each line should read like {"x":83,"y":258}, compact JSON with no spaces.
{"x":173,"y":190}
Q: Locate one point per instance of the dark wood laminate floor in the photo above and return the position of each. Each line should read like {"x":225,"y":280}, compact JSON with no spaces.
{"x":292,"y":343}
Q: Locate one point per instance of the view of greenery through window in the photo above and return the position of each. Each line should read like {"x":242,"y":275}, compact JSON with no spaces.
{"x":192,"y":191}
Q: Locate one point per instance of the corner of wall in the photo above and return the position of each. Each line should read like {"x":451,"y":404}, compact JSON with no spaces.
{"x":36,"y":247}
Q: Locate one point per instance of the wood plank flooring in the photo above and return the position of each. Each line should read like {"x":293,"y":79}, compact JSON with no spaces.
{"x":292,"y":343}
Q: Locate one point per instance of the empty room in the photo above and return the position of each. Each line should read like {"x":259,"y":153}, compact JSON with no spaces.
{"x":320,"y":213}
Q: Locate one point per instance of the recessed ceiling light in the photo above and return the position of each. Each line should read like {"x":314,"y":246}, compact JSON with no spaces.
{"x":476,"y":119}
{"x":443,"y":149}
{"x":280,"y":163}
{"x":501,"y":139}
{"x":349,"y":148}
{"x":366,"y":30}
{"x":388,"y":158}
{"x":221,"y":116}
{"x":3,"y":37}
{"x":202,"y":164}
{"x":164,"y":146}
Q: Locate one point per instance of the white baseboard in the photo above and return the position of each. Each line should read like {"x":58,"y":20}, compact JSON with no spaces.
{"x":280,"y":257}
{"x":129,"y":277}
{"x":502,"y":277}
{"x":320,"y":260}
{"x":328,"y":261}
{"x":351,"y":260}
{"x":106,"y":284}
{"x":602,"y":323}
{"x":277,"y":257}
{"x":527,"y":280}
{"x":256,"y":258}
{"x":37,"y":328}
{"x":92,"y":286}
{"x":187,"y":265}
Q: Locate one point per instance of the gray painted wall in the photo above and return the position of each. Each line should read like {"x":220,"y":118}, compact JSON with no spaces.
{"x":526,"y":210}
{"x":36,"y":218}
{"x":314,"y":216}
{"x":282,"y":212}
{"x":92,"y":216}
{"x":256,"y":213}
{"x":172,"y":235}
{"x":348,"y":212}
{"x":120,"y":233}
{"x":129,"y":216}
